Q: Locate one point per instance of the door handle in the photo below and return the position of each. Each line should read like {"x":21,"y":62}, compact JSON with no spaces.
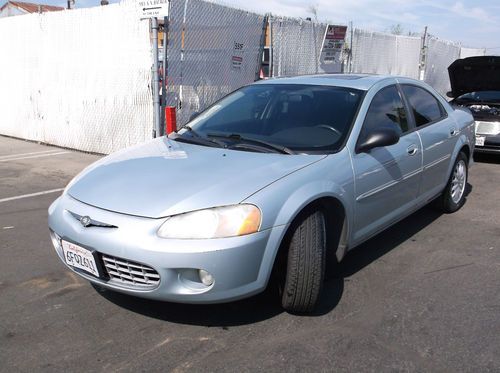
{"x":412,"y":149}
{"x":453,"y":131}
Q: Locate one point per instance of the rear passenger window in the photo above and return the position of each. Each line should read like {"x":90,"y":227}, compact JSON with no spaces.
{"x":386,"y":110}
{"x":425,"y":107}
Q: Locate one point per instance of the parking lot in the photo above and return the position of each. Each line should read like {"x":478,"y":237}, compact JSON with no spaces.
{"x":422,"y":296}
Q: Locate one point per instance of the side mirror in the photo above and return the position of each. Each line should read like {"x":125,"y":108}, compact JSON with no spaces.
{"x":378,"y":137}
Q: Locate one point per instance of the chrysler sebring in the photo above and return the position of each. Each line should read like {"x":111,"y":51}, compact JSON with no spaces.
{"x":276,"y":178}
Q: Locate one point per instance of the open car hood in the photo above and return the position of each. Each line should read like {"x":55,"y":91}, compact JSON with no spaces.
{"x":474,"y":74}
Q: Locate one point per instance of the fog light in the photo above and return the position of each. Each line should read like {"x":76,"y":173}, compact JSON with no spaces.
{"x":206,"y":277}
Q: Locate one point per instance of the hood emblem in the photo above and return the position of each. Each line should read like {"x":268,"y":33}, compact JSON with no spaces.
{"x":85,"y":220}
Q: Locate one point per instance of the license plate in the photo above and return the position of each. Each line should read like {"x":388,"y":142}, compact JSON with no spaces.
{"x":79,"y":257}
{"x":480,"y":140}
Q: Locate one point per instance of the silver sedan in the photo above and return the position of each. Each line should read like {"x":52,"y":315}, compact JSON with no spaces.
{"x":268,"y":183}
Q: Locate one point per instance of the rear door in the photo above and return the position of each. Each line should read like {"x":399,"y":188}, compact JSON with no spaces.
{"x":438,"y":134}
{"x":386,"y":178}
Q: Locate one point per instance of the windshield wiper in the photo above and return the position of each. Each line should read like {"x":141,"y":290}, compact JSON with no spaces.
{"x":191,"y":130}
{"x":196,"y":138}
{"x":236,"y":137}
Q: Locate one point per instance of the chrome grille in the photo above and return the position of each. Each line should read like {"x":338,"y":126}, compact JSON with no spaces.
{"x":130,"y":274}
{"x":487,"y":128}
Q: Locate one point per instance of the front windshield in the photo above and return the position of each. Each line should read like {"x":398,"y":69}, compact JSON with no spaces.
{"x":482,"y":96}
{"x":302,"y":118}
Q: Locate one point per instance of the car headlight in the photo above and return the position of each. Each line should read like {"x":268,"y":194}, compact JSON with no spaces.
{"x":218,"y":222}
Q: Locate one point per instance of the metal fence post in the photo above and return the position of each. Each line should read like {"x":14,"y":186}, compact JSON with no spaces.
{"x":164,"y":74}
{"x":261,"y":47}
{"x":351,"y":53}
{"x":316,"y":54}
{"x":423,"y":55}
{"x":271,"y":50}
{"x":156,"y":80}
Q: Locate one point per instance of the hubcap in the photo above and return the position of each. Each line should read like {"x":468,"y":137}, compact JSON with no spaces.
{"x":458,"y":181}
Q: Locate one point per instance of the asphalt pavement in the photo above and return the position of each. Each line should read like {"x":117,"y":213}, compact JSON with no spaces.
{"x":423,"y":296}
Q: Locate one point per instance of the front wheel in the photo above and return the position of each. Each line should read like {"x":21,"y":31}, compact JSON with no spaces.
{"x":453,"y":196}
{"x":305,"y":264}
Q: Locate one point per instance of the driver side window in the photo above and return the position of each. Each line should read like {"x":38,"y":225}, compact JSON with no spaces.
{"x":386,"y":110}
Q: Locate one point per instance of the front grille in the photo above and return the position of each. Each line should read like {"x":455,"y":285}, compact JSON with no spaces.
{"x":130,"y":274}
{"x":487,"y":128}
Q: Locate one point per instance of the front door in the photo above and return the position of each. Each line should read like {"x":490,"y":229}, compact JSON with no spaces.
{"x":386,"y":178}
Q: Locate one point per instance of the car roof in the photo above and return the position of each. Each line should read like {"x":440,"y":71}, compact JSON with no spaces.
{"x":358,"y":81}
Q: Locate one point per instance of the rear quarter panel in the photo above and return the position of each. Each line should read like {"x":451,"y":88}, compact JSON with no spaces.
{"x":465,"y":123}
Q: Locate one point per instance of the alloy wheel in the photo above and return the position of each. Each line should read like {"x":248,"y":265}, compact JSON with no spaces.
{"x":458,"y":181}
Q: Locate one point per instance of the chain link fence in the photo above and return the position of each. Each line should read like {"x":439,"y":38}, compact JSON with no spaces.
{"x":212,"y":50}
{"x":82,"y":78}
{"x":296,"y":46}
{"x":380,"y":53}
{"x":78,"y":79}
{"x":439,"y":55}
{"x":472,"y":52}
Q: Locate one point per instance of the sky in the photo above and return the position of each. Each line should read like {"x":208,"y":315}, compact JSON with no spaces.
{"x":474,"y":23}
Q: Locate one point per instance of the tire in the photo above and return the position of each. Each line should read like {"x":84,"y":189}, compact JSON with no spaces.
{"x":453,"y":196}
{"x":306,"y":260}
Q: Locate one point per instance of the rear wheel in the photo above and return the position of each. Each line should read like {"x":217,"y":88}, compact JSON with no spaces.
{"x":305,"y":263}
{"x":453,"y":196}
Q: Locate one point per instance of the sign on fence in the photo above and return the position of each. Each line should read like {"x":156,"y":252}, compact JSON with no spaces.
{"x":237,"y":57}
{"x":333,"y":43}
{"x":152,"y":8}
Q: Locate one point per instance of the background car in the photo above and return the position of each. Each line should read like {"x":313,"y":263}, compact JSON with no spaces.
{"x":278,"y":178}
{"x":475,"y":84}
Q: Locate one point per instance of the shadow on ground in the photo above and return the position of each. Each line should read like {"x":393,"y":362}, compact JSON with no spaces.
{"x":267,"y":305}
{"x":487,"y":158}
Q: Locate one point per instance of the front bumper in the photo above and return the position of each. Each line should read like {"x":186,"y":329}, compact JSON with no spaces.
{"x":241,"y":266}
{"x":491,"y":144}
{"x":489,"y":134}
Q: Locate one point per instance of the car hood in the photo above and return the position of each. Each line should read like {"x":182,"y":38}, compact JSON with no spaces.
{"x":474,"y":74}
{"x":165,"y":177}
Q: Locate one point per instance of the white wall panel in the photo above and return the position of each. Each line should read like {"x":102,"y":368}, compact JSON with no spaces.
{"x":440,"y":55}
{"x":380,"y":53}
{"x":79,"y":79}
{"x":472,"y":52}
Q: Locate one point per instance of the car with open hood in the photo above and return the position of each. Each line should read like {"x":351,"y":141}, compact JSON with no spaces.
{"x":264,"y":188}
{"x":475,"y":84}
